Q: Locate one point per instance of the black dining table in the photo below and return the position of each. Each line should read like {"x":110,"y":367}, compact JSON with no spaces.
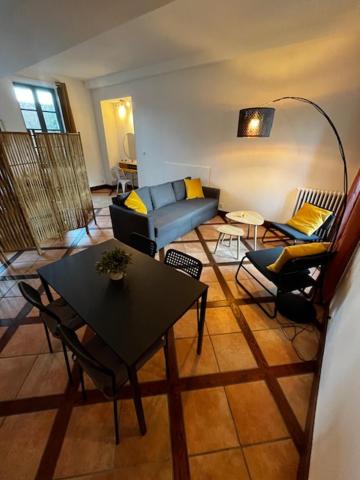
{"x":132,"y":315}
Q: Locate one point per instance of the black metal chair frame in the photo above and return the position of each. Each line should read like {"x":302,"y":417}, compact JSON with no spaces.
{"x":188,"y":264}
{"x":143,"y":244}
{"x":80,"y":353}
{"x":33,"y":297}
{"x":323,"y":232}
{"x":294,"y":275}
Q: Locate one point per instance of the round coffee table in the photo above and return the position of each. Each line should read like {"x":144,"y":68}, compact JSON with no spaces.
{"x":231,"y":231}
{"x":248,"y":217}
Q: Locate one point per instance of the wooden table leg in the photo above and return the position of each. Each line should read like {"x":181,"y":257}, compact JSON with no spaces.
{"x":137,"y":399}
{"x":201,"y":321}
{"x":218,"y":241}
{"x":255,"y":236}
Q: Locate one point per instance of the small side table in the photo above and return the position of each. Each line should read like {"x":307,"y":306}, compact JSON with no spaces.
{"x":248,"y":217}
{"x":231,"y":231}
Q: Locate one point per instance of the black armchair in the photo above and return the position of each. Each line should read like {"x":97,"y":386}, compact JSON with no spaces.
{"x":294,"y":275}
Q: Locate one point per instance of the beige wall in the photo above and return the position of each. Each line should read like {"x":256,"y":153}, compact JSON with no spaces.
{"x":82,"y":109}
{"x":186,"y":122}
{"x":335,"y":454}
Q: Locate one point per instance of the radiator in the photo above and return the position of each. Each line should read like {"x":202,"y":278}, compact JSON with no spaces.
{"x":321,"y":198}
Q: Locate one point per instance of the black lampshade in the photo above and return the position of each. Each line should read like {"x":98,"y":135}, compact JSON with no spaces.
{"x":255,"y":122}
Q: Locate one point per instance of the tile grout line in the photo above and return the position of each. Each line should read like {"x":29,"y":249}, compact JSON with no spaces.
{"x":183,"y":384}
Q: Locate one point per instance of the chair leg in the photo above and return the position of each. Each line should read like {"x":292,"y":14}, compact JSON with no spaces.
{"x":263,"y":237}
{"x":48,"y":338}
{"x":270,"y":314}
{"x":116,"y":422}
{"x":218,"y":241}
{"x":137,"y":400}
{"x":117,"y":188}
{"x":82,"y":383}
{"x":67,"y":363}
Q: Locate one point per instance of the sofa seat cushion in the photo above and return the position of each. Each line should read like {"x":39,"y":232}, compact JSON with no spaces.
{"x":292,"y":233}
{"x":162,"y":195}
{"x":174,"y":215}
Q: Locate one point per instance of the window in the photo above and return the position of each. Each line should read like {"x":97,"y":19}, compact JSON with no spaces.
{"x":39,"y":108}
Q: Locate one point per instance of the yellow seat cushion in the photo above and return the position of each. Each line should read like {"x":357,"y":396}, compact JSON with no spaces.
{"x":296,"y":251}
{"x":309,"y":218}
{"x":134,"y":202}
{"x":193,"y":188}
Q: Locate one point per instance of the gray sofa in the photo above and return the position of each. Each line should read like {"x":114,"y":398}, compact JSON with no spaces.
{"x":169,"y":215}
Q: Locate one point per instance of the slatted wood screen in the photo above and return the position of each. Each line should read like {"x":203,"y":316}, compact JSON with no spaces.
{"x":44,"y":189}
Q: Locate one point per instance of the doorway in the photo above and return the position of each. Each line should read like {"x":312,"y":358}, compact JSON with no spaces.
{"x":118,"y":120}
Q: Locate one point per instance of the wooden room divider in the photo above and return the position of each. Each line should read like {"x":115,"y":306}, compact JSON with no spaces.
{"x":44,"y":190}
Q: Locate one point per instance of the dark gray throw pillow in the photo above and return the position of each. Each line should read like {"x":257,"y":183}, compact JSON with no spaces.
{"x":179,"y":189}
{"x":144,"y":194}
{"x":162,"y":195}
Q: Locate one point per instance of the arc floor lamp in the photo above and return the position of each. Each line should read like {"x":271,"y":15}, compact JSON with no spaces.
{"x":257,"y":122}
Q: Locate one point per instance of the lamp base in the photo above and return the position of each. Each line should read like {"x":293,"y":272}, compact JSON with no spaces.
{"x":296,"y":308}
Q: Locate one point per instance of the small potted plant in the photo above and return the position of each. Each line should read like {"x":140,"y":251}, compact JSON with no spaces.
{"x":113,"y":263}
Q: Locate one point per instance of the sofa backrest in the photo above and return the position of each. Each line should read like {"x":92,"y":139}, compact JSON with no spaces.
{"x":157,"y":196}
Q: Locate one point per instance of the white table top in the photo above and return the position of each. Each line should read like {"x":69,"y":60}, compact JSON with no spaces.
{"x":246,"y":216}
{"x":230,"y":230}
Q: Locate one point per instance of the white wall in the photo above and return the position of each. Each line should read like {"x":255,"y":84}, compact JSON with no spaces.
{"x":189,"y":117}
{"x":10,"y":113}
{"x":335,"y":454}
{"x":83,"y":113}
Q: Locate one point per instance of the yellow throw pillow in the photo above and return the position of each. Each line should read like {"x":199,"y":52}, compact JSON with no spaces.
{"x":193,"y":188}
{"x":309,"y":218}
{"x":296,"y":251}
{"x":134,"y":202}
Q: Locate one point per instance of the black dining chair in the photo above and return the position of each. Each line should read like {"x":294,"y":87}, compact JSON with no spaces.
{"x":106,"y":370}
{"x":143,"y":244}
{"x":184,"y":262}
{"x":51,"y":315}
{"x":187,"y":264}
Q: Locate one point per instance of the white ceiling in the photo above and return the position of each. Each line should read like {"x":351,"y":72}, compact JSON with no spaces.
{"x":182,"y":33}
{"x":33,"y":30}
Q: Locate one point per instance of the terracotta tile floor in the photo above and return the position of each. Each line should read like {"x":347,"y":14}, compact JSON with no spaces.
{"x":224,"y":415}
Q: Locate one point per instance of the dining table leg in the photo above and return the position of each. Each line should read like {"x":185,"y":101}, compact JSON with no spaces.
{"x":47,"y":289}
{"x":201,"y":321}
{"x":137,"y":399}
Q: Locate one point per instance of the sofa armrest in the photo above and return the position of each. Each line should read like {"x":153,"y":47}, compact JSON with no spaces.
{"x":125,"y":222}
{"x":211,"y":192}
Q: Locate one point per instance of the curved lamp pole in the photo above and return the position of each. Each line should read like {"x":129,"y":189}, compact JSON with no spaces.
{"x":257,"y":122}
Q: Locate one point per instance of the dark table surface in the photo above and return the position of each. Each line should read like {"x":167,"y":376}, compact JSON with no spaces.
{"x":128,"y":316}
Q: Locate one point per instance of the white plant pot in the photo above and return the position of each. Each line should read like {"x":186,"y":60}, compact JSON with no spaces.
{"x":116,"y":276}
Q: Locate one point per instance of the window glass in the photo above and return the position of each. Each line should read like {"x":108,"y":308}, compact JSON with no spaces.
{"x":46,"y":100}
{"x":39,"y":108}
{"x":25,"y":97}
{"x":31,"y":119}
{"x":51,"y":121}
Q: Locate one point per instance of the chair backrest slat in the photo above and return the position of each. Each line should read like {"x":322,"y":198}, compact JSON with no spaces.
{"x":31,"y":295}
{"x":184,"y":262}
{"x":143,"y":244}
{"x":305,"y":263}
